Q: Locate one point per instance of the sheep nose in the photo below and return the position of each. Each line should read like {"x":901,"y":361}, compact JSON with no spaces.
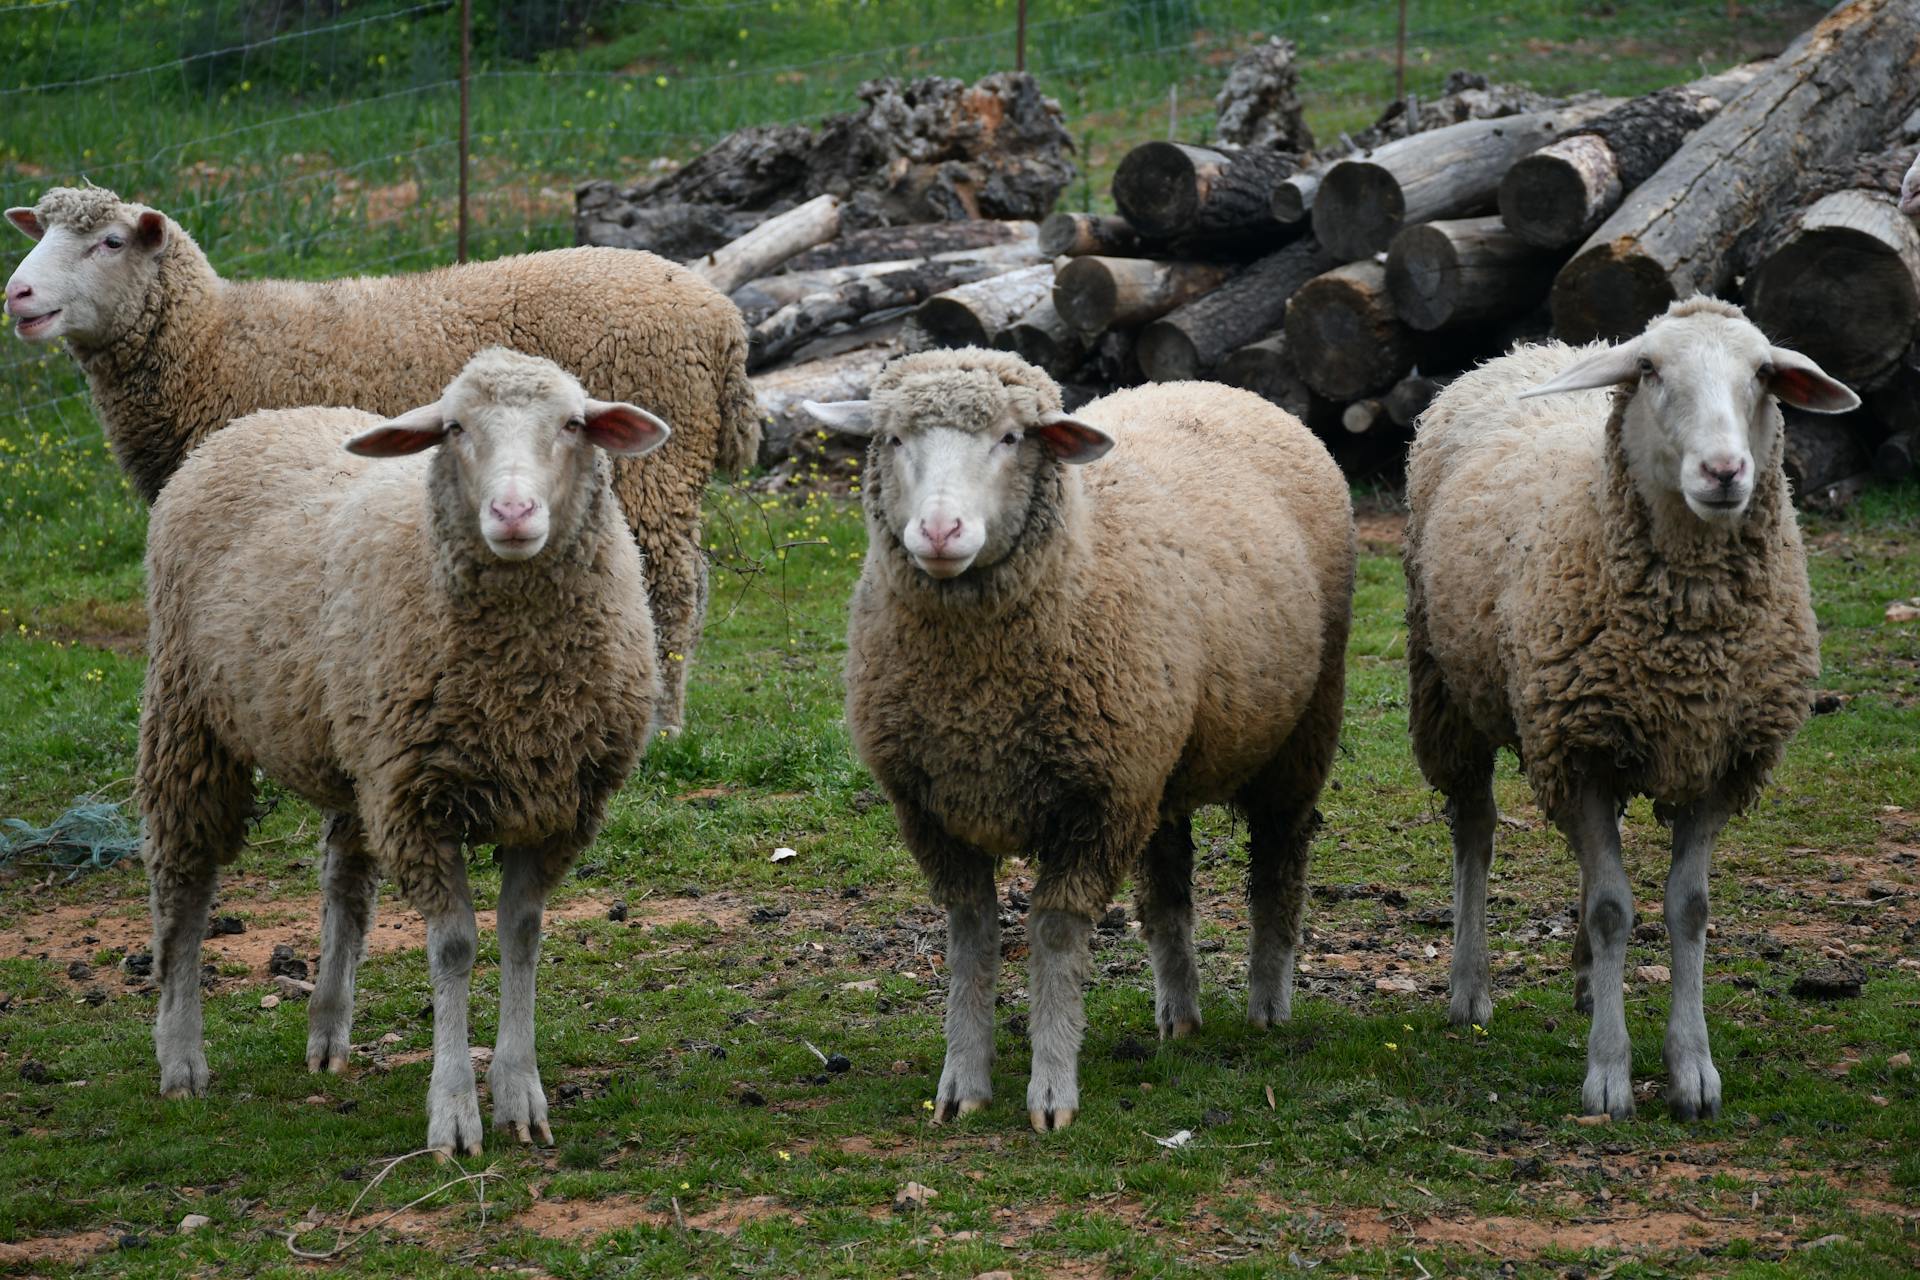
{"x":18,"y":292}
{"x":1725,"y":472}
{"x":511,"y":511}
{"x":941,"y":537}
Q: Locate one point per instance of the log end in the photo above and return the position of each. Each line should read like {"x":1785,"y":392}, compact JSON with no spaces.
{"x":1343,"y":335}
{"x":1085,"y":294}
{"x":1840,"y":297}
{"x":1422,"y":268}
{"x":948,"y":323}
{"x":1157,"y":189}
{"x":1608,"y":291}
{"x":1548,"y":201}
{"x":1358,"y":210}
{"x":1166,"y":354}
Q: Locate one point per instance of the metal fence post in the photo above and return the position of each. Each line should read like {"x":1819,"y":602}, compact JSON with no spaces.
{"x":1400,"y":58}
{"x":466,"y":60}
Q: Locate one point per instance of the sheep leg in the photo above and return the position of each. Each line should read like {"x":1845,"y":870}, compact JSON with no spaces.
{"x":1164,"y":896}
{"x":1059,"y":961}
{"x":179,"y":896}
{"x":1582,"y":956}
{"x":973,"y":965}
{"x":350,"y":890}
{"x":1471,"y":814}
{"x":1693,"y":1084}
{"x":1593,"y":829}
{"x":519,"y":1101}
{"x":434,"y":878}
{"x":676,"y":574}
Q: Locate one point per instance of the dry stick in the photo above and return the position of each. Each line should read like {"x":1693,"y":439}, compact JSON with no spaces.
{"x":770,"y":244}
{"x":478,"y":1179}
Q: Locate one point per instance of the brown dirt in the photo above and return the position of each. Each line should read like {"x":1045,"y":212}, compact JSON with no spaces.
{"x":1380,"y":531}
{"x":62,"y":1250}
{"x":579,"y":1220}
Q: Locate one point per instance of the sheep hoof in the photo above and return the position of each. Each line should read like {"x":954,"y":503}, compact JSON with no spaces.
{"x":1693,"y":1088}
{"x":1608,"y":1092}
{"x":1046,"y":1121}
{"x":1179,"y":1028}
{"x":453,"y":1123}
{"x":1470,"y":1008}
{"x":954,"y":1108}
{"x":333,"y":1061}
{"x":184,"y":1079}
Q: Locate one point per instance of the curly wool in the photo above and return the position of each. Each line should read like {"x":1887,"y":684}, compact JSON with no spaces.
{"x":1552,"y":611}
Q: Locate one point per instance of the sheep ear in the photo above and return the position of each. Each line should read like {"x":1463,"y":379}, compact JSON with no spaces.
{"x":624,"y":429}
{"x":1803,"y":384}
{"x":150,"y":231}
{"x":849,"y":417}
{"x":1616,"y":366}
{"x":28,"y":222}
{"x":1910,"y":191}
{"x":1073,"y":441}
{"x":411,"y":432}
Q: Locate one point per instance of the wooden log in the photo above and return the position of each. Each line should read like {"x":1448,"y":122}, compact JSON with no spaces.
{"x":876,"y":329}
{"x":1169,"y":190}
{"x":1094,"y":294}
{"x":1361,"y":416}
{"x":1833,"y":92}
{"x":1821,"y":449}
{"x":1557,"y":195}
{"x":1843,"y":286}
{"x":1345,"y":337}
{"x":1193,"y":339}
{"x":1896,"y":456}
{"x":777,"y":336}
{"x":1111,"y":362}
{"x":779,"y":392}
{"x":1075,"y":235}
{"x":1292,"y":202}
{"x":1446,"y":274}
{"x":974,"y":314}
{"x":1363,"y":203}
{"x":912,"y":240}
{"x":760,"y":299}
{"x":1840,"y":494}
{"x":1410,"y":397}
{"x":1265,"y":368}
{"x":770,"y":244}
{"x":1043,"y":338}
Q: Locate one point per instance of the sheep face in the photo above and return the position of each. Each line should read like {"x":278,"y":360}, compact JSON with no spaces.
{"x":518,"y":437}
{"x":1702,"y":381}
{"x":955,"y":458}
{"x":95,"y":260}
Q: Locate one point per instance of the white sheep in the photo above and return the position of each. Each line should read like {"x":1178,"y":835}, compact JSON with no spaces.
{"x":173,"y":352}
{"x":1064,"y":660}
{"x":439,"y":652}
{"x":1612,"y":584}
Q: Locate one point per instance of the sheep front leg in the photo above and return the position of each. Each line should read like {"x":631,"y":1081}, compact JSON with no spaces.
{"x":1165,"y":900}
{"x":1693,"y":1084}
{"x":1593,"y":829}
{"x":973,"y":967}
{"x":1471,"y":814}
{"x":1058,"y":964}
{"x":519,"y":1101}
{"x":434,"y":880}
{"x":350,"y":890}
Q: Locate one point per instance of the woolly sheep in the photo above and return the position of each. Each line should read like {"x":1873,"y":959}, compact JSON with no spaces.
{"x":1067,"y":662}
{"x":436,"y":652}
{"x":1612,"y":584}
{"x":172,"y":352}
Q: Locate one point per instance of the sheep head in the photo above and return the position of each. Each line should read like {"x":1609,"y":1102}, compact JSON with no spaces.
{"x":1702,"y":382}
{"x":958,"y":438}
{"x":518,"y":439}
{"x":95,"y":259}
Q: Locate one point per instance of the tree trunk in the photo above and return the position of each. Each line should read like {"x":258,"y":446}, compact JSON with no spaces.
{"x":1344,"y":335}
{"x":1265,"y":368}
{"x":1894,"y":459}
{"x":1821,"y":450}
{"x":1446,"y":274}
{"x":1075,"y":235}
{"x":1832,"y":93}
{"x":1560,"y":193}
{"x":913,"y":240}
{"x":785,"y":330}
{"x":1410,"y":397}
{"x":780,"y":391}
{"x":1043,"y":338}
{"x":1844,"y":286}
{"x":1446,"y":173}
{"x":1095,"y":294}
{"x":1195,"y":338}
{"x":1167,"y":190}
{"x":974,"y":314}
{"x":770,"y":244}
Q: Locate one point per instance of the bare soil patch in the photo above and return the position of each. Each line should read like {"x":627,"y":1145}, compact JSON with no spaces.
{"x":62,"y":1250}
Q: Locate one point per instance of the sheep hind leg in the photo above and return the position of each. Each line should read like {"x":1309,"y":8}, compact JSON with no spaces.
{"x":1693,"y":1083}
{"x":350,"y":891}
{"x":519,"y":1100}
{"x":1593,"y":829}
{"x":1582,"y":955}
{"x":1471,"y":815}
{"x":676,"y":571}
{"x":1164,"y":896}
{"x":1281,"y":820}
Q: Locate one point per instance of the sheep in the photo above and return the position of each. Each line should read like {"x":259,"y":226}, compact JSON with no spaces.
{"x":1612,"y":585}
{"x":172,"y":352}
{"x":1064,"y":662}
{"x":437,"y":652}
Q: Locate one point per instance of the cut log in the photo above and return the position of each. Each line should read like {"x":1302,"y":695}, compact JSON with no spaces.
{"x":760,"y":298}
{"x":1168,"y":190}
{"x":770,"y":244}
{"x":1362,"y":204}
{"x":1042,"y":338}
{"x":1821,"y":450}
{"x":1345,"y":337}
{"x":914,"y":240}
{"x":1410,"y":397}
{"x":1111,"y":362}
{"x":1560,"y":193}
{"x":974,"y":314}
{"x":1193,"y":339}
{"x":1075,"y":235}
{"x":1895,"y":458}
{"x":1360,"y":417}
{"x":1844,"y":286}
{"x":776,"y":337}
{"x":1094,"y":294}
{"x":780,"y":391}
{"x":1265,"y":368}
{"x":1446,"y":274}
{"x":1292,"y":202}
{"x":1834,"y":92}
{"x":874,"y":330}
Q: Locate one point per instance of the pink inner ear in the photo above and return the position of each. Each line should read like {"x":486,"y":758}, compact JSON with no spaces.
{"x":1799,"y":387}
{"x":27,"y":222}
{"x":1067,"y":439}
{"x":150,"y":230}
{"x":393,"y":442}
{"x":619,"y":429}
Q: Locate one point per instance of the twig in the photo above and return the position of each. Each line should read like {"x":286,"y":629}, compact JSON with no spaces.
{"x":1424,"y":1273}
{"x":340,"y":1246}
{"x":679,"y":1218}
{"x":815,"y":1052}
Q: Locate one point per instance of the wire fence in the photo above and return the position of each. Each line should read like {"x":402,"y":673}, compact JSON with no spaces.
{"x":317,"y":138}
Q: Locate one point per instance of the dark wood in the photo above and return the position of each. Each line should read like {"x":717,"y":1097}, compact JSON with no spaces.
{"x":1168,"y":190}
{"x":1896,"y":456}
{"x":1843,"y":286}
{"x":1265,"y":368}
{"x":1834,"y":92}
{"x":1821,"y":449}
{"x":974,"y":314}
{"x":1446,"y":274}
{"x":1410,"y":397}
{"x":1097,"y":293}
{"x":913,"y":240}
{"x":1042,"y":338}
{"x":1111,"y":362}
{"x":1075,"y":235}
{"x":1344,"y":335}
{"x":1259,"y":105}
{"x":1192,"y":340}
{"x":1363,"y":203}
{"x":1557,"y":195}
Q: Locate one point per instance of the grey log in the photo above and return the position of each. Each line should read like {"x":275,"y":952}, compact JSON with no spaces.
{"x":974,"y":314}
{"x":1043,"y":338}
{"x":1194,"y":339}
{"x":911,"y":240}
{"x":1096,"y":293}
{"x":1075,"y":235}
{"x":1345,"y":337}
{"x":1265,"y":368}
{"x":1446,"y":274}
{"x":1167,"y":190}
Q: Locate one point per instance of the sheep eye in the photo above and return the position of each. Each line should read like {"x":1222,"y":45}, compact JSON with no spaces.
{"x":113,"y":242}
{"x":575,"y":424}
{"x":1011,"y":438}
{"x":1646,"y":367}
{"x":894,"y":441}
{"x":1764,"y":372}
{"x":454,"y":429}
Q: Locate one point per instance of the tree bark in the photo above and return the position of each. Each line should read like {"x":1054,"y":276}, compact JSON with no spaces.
{"x":1167,"y":190}
{"x":1894,"y":459}
{"x":974,"y":314}
{"x":770,"y":244}
{"x":1075,"y":235}
{"x":1344,"y":335}
{"x":1821,"y":450}
{"x":1094,"y":294}
{"x":1410,"y":397}
{"x":912,"y":240}
{"x":1834,"y":92}
{"x":1265,"y":368}
{"x":781,"y":333}
{"x":1194,"y":339}
{"x":1560,"y":193}
{"x":1446,"y":173}
{"x":1446,"y":274}
{"x":1843,"y":286}
{"x":1043,"y":338}
{"x":780,"y":391}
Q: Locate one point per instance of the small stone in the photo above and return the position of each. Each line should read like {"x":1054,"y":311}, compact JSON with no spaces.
{"x":132,"y":1241}
{"x":864,"y":984}
{"x":617,"y":912}
{"x":748,"y":1096}
{"x":1590,"y":1121}
{"x":95,"y":997}
{"x":222,"y":926}
{"x":838,"y":1063}
{"x":1397,"y":984}
{"x":1840,"y":980}
{"x":79,"y":971}
{"x":912,"y":1196}
{"x":291,"y":988}
{"x":1653,"y":973}
{"x":193,"y":1222}
{"x":1115,"y":921}
{"x":269,"y":1002}
{"x":1902,"y":1059}
{"x":569,"y":1092}
{"x":1879,"y":889}
{"x":392,"y":1037}
{"x":900,"y":1067}
{"x":985,"y":1275}
{"x":284,"y":963}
